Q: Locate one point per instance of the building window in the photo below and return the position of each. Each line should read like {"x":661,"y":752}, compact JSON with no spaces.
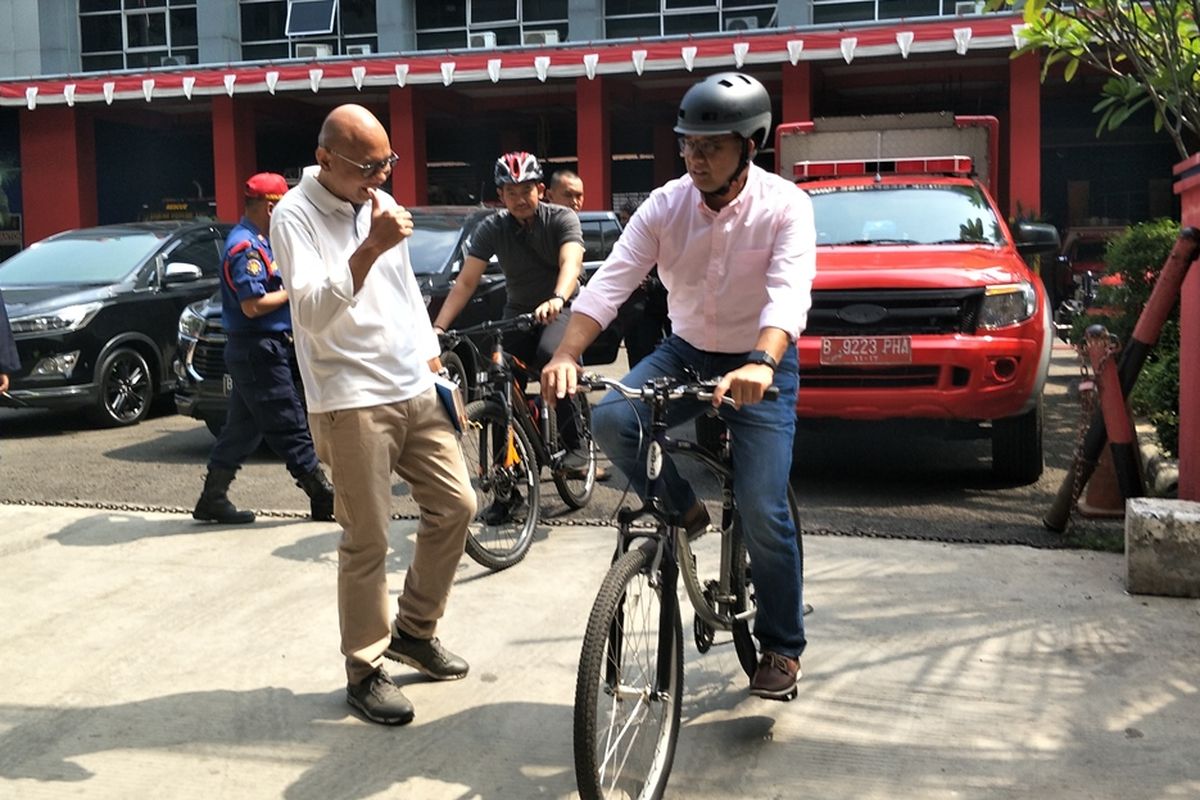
{"x":275,"y":29}
{"x":625,"y":19}
{"x":135,"y":34}
{"x":490,"y":23}
{"x":832,"y":11}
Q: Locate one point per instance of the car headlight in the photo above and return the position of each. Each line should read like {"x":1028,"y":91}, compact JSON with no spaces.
{"x":191,"y":321}
{"x":1007,"y":304}
{"x":70,"y":318}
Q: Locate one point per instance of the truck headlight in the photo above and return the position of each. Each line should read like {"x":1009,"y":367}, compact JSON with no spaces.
{"x":62,"y":320}
{"x":191,"y":321}
{"x":1007,"y":304}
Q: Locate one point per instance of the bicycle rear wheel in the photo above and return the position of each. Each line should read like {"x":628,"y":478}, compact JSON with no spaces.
{"x":507,"y":487}
{"x":626,"y":726}
{"x":743,"y":587}
{"x":575,"y":485}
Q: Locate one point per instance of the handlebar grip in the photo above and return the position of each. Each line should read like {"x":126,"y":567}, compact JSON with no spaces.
{"x":772,"y":393}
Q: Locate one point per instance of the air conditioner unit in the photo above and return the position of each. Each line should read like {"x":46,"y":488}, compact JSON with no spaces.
{"x":540,"y":37}
{"x":174,"y":61}
{"x":481,"y":40}
{"x":964,"y":7}
{"x":358,"y":49}
{"x":741,"y":23}
{"x":309,"y":50}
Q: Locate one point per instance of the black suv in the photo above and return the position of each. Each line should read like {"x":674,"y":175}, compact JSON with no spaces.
{"x":95,"y":313}
{"x":437,"y":248}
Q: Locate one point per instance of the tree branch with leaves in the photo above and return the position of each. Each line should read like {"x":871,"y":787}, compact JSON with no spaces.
{"x":1150,"y":50}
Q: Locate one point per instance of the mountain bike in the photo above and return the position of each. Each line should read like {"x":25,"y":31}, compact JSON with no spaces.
{"x":508,"y":440}
{"x":630,"y":681}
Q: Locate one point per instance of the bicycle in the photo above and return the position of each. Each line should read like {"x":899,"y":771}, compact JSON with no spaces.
{"x":508,"y":441}
{"x":628,"y":687}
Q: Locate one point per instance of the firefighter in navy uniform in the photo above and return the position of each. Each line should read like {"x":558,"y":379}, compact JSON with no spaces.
{"x":265,"y":402}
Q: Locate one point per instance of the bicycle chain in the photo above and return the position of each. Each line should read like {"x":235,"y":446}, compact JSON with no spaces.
{"x":565,"y":522}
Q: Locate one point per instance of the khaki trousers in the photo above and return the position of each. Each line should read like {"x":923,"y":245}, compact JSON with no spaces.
{"x":362,"y":447}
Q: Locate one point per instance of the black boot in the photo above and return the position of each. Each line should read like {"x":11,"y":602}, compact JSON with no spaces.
{"x":320,"y":494}
{"x":214,"y":505}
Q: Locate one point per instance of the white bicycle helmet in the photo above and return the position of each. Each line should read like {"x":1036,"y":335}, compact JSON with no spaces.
{"x":517,"y":167}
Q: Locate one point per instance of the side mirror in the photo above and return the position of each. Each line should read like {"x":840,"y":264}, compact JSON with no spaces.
{"x":1036,"y":238}
{"x":181,"y":272}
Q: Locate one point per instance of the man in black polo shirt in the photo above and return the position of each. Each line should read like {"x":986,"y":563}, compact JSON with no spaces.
{"x":540,"y":249}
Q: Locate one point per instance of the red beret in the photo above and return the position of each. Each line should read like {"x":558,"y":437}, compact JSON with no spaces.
{"x":268,"y":185}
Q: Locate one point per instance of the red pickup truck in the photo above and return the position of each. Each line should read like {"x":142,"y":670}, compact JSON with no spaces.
{"x":923,"y":305}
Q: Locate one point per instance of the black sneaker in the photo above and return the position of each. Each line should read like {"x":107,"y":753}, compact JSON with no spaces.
{"x":426,"y":656}
{"x":501,"y":512}
{"x":380,"y":700}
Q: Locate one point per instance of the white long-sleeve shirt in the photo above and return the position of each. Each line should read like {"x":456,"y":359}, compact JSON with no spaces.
{"x":728,"y":273}
{"x":355,"y":350}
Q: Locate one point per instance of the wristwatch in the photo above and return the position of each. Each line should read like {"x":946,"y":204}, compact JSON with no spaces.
{"x":557,"y":296}
{"x":762,"y":357}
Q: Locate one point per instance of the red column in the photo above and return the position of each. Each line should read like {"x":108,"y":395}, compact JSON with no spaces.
{"x":58,"y":171}
{"x":796,"y":103}
{"x":1024,"y":132}
{"x":234,"y":156}
{"x":592,"y":143}
{"x":1188,"y":189}
{"x":410,"y":179}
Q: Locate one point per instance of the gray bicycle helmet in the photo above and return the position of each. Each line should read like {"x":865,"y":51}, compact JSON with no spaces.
{"x":728,"y":102}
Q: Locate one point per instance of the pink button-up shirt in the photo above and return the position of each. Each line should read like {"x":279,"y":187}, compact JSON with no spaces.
{"x":728,"y":273}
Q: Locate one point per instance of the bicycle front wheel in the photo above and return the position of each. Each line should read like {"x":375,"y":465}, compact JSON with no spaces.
{"x":575,"y":483}
{"x":505,"y":475}
{"x":626,"y":723}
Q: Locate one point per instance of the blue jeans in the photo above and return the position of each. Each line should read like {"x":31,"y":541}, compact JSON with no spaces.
{"x":762,"y":457}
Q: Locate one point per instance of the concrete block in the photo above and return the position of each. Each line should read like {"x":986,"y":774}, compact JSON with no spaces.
{"x":1162,"y":547}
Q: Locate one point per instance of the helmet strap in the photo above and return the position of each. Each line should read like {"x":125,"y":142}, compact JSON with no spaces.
{"x":728,"y":184}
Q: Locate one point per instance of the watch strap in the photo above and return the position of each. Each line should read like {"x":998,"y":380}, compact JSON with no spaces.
{"x":762,"y":357}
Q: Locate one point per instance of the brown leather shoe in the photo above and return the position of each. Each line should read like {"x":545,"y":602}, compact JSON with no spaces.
{"x":776,"y":676}
{"x":695,"y":520}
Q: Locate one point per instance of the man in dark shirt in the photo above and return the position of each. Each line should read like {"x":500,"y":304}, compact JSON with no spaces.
{"x":540,"y":249}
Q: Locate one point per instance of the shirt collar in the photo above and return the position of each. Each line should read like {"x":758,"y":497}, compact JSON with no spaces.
{"x":250,"y":226}
{"x":325,"y":201}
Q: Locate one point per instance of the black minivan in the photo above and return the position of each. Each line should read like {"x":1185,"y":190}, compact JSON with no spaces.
{"x":95,"y":313}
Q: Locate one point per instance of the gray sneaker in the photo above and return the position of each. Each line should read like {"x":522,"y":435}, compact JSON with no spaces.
{"x":380,"y":700}
{"x":427,"y":656}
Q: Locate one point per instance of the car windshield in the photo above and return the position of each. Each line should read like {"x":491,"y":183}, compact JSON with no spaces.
{"x":89,"y":259}
{"x":911,"y":214}
{"x":433,"y":242}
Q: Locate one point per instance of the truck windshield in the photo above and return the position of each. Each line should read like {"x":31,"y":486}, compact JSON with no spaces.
{"x":88,"y":257}
{"x":910,"y":214}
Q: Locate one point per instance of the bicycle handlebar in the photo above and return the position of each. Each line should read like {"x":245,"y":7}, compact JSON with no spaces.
{"x":700,"y":390}
{"x":521,"y":322}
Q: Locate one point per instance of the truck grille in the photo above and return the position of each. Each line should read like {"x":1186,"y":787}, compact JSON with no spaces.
{"x":883,"y":312}
{"x":209,"y":357}
{"x":869,"y":377}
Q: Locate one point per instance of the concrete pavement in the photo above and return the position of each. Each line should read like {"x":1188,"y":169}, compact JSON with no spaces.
{"x":145,"y":656}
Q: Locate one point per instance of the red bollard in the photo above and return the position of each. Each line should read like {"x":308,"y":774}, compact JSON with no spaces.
{"x":1117,"y":421}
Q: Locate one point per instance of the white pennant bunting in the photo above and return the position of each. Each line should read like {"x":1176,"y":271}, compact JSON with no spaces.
{"x":358,"y":72}
{"x":962,"y":40}
{"x":272,"y":78}
{"x":795,"y":46}
{"x":447,"y":72}
{"x":639,"y":60}
{"x":848,"y":46}
{"x":314,"y":79}
{"x":494,"y":69}
{"x":904,"y":40}
{"x":541,"y":65}
{"x":401,"y":74}
{"x":69,"y":93}
{"x":108,"y":88}
{"x":689,"y":57}
{"x":148,"y":88}
{"x":589,"y":64}
{"x":31,"y":97}
{"x":229,"y":81}
{"x":189,"y":83}
{"x":1018,"y":33}
{"x":739,"y":53}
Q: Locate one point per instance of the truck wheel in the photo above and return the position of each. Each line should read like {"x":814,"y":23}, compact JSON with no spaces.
{"x":1017,"y":447}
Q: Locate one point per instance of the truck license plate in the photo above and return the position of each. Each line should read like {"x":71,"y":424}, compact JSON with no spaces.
{"x":868,"y":350}
{"x":227,"y":383}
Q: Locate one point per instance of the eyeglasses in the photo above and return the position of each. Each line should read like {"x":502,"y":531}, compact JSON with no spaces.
{"x":705,"y":147}
{"x":371,"y":167}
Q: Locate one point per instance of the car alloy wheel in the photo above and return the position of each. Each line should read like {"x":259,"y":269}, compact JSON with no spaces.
{"x":126,"y":388}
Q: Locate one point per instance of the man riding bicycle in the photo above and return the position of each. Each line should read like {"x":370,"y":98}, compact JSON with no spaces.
{"x":735,"y":248}
{"x":540,"y":249}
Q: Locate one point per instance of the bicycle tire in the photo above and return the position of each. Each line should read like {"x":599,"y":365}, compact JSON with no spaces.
{"x":501,"y":545}
{"x":743,"y":640}
{"x":622,"y":648}
{"x":575,"y":491}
